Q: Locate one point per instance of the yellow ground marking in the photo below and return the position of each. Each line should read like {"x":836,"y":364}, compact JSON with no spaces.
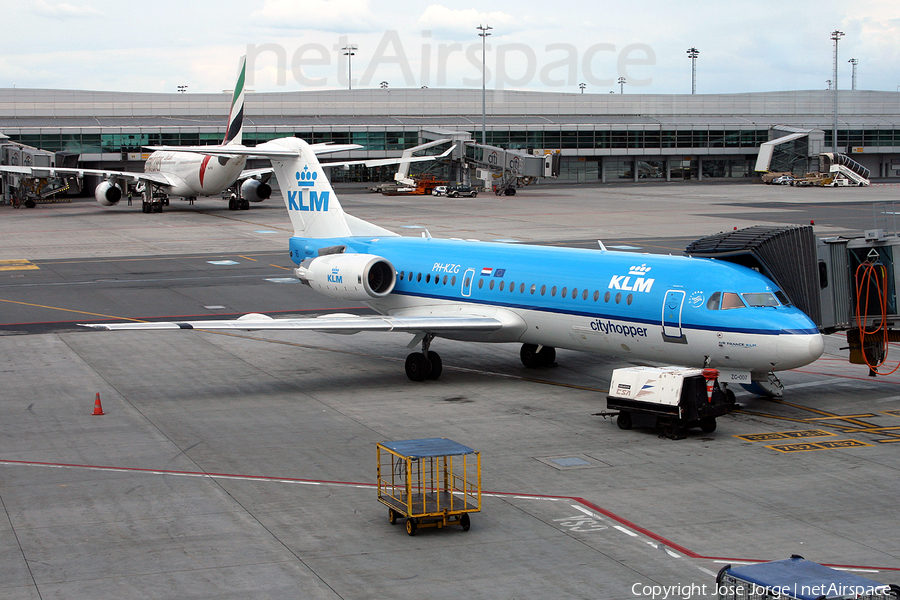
{"x":784,"y":435}
{"x":17,"y":264}
{"x":80,"y":312}
{"x":247,"y":258}
{"x":808,"y":446}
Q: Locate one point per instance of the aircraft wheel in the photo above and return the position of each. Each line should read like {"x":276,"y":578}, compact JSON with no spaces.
{"x":437,"y":365}
{"x":465,"y":522}
{"x":29,"y":203}
{"x":231,"y":204}
{"x":729,"y":397}
{"x":708,"y":424}
{"x":417,"y":366}
{"x":245,"y":205}
{"x":158,"y":207}
{"x":144,"y":208}
{"x":532,"y":359}
{"x":410,"y":527}
{"x":624,"y":420}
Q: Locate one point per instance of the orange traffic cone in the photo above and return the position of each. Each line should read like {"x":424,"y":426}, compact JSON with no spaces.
{"x":709,"y":374}
{"x":98,"y":408}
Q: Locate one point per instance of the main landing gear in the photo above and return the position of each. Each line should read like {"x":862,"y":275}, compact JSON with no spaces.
{"x":537,"y":357}
{"x":425,"y":364}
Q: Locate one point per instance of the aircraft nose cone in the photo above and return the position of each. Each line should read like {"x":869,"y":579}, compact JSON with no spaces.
{"x":798,"y":350}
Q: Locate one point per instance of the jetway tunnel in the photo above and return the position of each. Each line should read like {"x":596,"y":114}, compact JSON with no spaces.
{"x":844,"y":284}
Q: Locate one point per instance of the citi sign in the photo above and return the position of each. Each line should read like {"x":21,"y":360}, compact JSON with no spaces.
{"x":641,"y":284}
{"x":316,"y":201}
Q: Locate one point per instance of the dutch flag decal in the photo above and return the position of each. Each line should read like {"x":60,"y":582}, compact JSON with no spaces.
{"x":486,"y":271}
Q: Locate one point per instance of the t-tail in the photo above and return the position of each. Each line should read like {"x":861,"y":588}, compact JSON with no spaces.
{"x":236,"y":115}
{"x":313,"y":206}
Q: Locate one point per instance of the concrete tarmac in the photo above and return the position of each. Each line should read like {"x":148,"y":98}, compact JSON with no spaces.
{"x":243,"y":465}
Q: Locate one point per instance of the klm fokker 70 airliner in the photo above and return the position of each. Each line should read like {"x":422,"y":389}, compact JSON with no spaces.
{"x":670,"y":309}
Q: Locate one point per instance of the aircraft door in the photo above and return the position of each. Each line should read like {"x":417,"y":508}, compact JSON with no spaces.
{"x":467,"y":280}
{"x":671,"y":316}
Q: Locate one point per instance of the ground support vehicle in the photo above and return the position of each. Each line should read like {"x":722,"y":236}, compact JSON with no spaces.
{"x":797,"y":579}
{"x":431,"y":482}
{"x":456,"y":191}
{"x":674,"y":398}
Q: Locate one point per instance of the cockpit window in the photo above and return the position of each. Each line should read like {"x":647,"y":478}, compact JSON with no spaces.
{"x":760,"y":299}
{"x":731,"y":300}
{"x":713,"y":302}
{"x":782,"y":298}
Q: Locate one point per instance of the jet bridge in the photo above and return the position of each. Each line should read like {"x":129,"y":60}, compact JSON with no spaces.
{"x":499,"y":168}
{"x":845,"y":284}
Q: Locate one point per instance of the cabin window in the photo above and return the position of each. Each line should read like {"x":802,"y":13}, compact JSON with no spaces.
{"x":760,"y":299}
{"x":629,"y":299}
{"x":543,"y":290}
{"x":731,"y":300}
{"x":522,"y":288}
{"x":491,"y":284}
{"x":418,"y":277}
{"x":428,"y":278}
{"x":553,"y":291}
{"x":445,"y":280}
{"x":618,"y":297}
{"x":437,"y":279}
{"x":574,"y":293}
{"x":502,"y":285}
{"x":533,"y":288}
{"x":713,"y":302}
{"x":596,"y":294}
{"x":480,"y":283}
{"x":585,"y":293}
{"x":606,"y":297}
{"x":453,"y":280}
{"x":565,"y":292}
{"x":400,"y":276}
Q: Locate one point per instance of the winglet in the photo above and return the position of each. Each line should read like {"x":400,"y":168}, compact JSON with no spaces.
{"x":236,"y":115}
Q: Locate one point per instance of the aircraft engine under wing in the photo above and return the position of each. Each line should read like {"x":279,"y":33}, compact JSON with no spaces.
{"x":348,"y":276}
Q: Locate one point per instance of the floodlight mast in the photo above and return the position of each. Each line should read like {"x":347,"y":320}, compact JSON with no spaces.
{"x":483,"y":35}
{"x":835,"y":36}
{"x":693,"y":53}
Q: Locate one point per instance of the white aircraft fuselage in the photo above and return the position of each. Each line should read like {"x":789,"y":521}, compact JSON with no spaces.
{"x":195,"y":175}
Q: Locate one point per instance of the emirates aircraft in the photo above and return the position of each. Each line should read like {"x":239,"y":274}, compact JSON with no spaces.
{"x":187,"y":175}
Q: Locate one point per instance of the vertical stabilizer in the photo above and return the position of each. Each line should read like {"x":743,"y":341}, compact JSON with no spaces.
{"x":313,"y":206}
{"x":236,"y":115}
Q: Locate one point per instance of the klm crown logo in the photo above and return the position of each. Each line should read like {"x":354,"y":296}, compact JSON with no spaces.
{"x":305,"y":178}
{"x":640,"y":284}
{"x":312,"y":201}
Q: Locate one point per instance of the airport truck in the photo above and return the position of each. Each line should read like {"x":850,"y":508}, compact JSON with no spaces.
{"x":797,"y":579}
{"x":671,"y":398}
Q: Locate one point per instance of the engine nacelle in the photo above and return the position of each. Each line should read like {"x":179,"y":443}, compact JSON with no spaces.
{"x":358,"y":277}
{"x":107,"y":194}
{"x":255,"y":190}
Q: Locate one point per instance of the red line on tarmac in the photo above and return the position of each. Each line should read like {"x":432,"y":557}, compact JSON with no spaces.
{"x":586,"y":503}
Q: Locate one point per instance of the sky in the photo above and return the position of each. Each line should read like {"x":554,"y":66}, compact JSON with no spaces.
{"x":295,"y":45}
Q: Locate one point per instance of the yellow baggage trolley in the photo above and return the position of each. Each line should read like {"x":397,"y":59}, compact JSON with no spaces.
{"x":432,"y":482}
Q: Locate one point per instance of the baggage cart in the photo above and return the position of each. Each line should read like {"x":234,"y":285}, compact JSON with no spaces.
{"x":797,"y":579}
{"x":431,"y":482}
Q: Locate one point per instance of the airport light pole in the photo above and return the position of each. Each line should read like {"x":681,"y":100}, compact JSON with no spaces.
{"x":835,"y":36}
{"x":581,"y":86}
{"x":483,"y":35}
{"x":349,"y":52}
{"x":853,"y":62}
{"x":384,"y":85}
{"x":621,"y":83}
{"x":693,"y":53}
{"x":182,"y":88}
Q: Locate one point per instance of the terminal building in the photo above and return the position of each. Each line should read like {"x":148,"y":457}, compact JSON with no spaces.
{"x":598,"y":137}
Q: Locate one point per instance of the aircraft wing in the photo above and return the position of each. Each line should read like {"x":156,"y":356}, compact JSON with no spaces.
{"x":255,"y":173}
{"x":157,"y":178}
{"x":346,"y":324}
{"x":271,"y":152}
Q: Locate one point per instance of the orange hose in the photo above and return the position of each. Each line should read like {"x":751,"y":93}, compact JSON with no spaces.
{"x":870,"y":274}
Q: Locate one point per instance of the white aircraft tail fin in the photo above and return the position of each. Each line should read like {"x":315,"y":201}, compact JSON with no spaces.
{"x":236,"y":115}
{"x":311,"y":202}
